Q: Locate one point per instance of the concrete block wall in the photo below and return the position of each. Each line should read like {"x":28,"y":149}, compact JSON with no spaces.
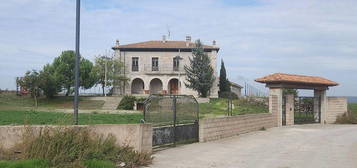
{"x":222,"y":127}
{"x":138,"y":136}
{"x":335,"y":106}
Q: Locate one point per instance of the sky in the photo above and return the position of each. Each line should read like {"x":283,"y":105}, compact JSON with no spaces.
{"x":256,"y":37}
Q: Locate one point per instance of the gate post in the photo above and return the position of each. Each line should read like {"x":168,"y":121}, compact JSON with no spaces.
{"x":289,"y":109}
{"x":276,"y":105}
{"x":174,"y":117}
{"x":322,"y":101}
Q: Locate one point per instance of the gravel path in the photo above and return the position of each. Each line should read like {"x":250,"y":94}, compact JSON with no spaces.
{"x":304,"y":146}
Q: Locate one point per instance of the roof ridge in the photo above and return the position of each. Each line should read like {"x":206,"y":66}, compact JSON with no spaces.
{"x":283,"y":77}
{"x":158,"y":44}
{"x":300,"y":75}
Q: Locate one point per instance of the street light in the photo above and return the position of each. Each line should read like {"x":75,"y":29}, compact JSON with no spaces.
{"x":76,"y":68}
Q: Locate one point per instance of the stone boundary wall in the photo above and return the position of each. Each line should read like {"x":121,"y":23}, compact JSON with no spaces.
{"x":222,"y":127}
{"x":202,"y":100}
{"x":138,"y":136}
{"x":336,"y":106}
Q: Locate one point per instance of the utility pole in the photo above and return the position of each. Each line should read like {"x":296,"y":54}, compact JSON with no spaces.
{"x":76,"y":68}
{"x":105,"y":72}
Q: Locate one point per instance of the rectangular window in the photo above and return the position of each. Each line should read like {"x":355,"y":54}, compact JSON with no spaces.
{"x":155,"y":64}
{"x":135,"y":64}
{"x":176,"y":63}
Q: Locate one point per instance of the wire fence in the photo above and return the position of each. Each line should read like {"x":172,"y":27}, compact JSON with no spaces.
{"x":234,"y":106}
{"x":170,"y":109}
{"x":250,"y":90}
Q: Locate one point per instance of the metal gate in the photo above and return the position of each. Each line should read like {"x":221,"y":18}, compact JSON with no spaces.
{"x":174,"y":117}
{"x":307,"y":110}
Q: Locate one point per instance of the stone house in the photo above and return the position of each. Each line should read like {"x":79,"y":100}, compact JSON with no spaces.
{"x":236,"y":88}
{"x":157,"y":67}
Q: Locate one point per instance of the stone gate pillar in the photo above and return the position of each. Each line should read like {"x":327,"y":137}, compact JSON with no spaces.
{"x":289,"y":109}
{"x":323,"y":104}
{"x":276,"y":104}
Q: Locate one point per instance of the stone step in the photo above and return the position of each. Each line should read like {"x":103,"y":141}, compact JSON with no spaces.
{"x":111,"y":103}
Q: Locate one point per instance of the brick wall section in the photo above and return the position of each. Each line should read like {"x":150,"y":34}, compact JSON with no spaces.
{"x":335,"y":106}
{"x":138,"y":136}
{"x":223,"y":127}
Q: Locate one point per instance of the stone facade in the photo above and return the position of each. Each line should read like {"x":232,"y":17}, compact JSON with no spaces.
{"x":166,"y":78}
{"x":237,"y":89}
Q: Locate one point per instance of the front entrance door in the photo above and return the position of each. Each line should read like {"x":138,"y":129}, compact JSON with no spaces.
{"x":173,"y":86}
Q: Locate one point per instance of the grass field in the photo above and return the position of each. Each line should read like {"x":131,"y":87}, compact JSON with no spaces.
{"x":11,"y":101}
{"x":18,"y":117}
{"x":353,"y":108}
{"x":17,"y":110}
{"x":218,"y":107}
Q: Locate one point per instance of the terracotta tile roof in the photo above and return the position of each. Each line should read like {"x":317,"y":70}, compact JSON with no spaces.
{"x":163,"y":45}
{"x":297,"y":79}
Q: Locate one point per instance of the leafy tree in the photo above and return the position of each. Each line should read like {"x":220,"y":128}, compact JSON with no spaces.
{"x":200,"y":72}
{"x":31,"y":81}
{"x":290,"y":91}
{"x":113,"y":72}
{"x":49,"y":81}
{"x":224,"y":84}
{"x":64,"y":68}
{"x":88,"y":77}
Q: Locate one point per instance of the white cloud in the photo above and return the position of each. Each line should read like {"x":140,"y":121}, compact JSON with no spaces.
{"x":266,"y":36}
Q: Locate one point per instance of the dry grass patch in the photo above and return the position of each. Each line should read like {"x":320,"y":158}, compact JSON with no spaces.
{"x":73,"y":147}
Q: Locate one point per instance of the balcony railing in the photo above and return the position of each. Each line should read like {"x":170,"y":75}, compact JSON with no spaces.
{"x":163,"y":69}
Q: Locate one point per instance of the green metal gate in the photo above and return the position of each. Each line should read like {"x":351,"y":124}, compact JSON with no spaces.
{"x":307,"y":110}
{"x":174,"y":117}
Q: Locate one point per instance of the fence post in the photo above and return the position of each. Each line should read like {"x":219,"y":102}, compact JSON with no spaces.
{"x":174,"y":113}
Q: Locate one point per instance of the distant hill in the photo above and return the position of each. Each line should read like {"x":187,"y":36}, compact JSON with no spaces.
{"x":352,"y":99}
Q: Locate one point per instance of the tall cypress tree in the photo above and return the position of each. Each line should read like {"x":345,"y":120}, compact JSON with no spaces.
{"x":200,"y":72}
{"x":224,"y":84}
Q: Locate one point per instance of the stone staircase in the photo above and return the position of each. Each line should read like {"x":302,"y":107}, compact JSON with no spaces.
{"x":111,"y":103}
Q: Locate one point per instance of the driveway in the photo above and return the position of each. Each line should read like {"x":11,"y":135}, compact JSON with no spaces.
{"x":304,"y":146}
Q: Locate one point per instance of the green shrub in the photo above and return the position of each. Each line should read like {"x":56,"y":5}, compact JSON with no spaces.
{"x":141,"y":99}
{"x":346,"y":118}
{"x":228,"y":95}
{"x":98,"y":164}
{"x":127,"y":103}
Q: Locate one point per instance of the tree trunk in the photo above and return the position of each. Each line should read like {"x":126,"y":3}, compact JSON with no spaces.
{"x":68,"y":90}
{"x":103,"y":89}
{"x":35,"y":97}
{"x":204,"y":94}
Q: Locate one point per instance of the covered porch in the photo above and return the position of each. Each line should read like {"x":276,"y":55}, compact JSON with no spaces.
{"x":288,"y":109}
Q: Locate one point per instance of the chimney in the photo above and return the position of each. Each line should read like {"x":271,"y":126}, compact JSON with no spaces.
{"x":117,"y":43}
{"x":214,"y":42}
{"x":188,"y":40}
{"x":164,"y":39}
